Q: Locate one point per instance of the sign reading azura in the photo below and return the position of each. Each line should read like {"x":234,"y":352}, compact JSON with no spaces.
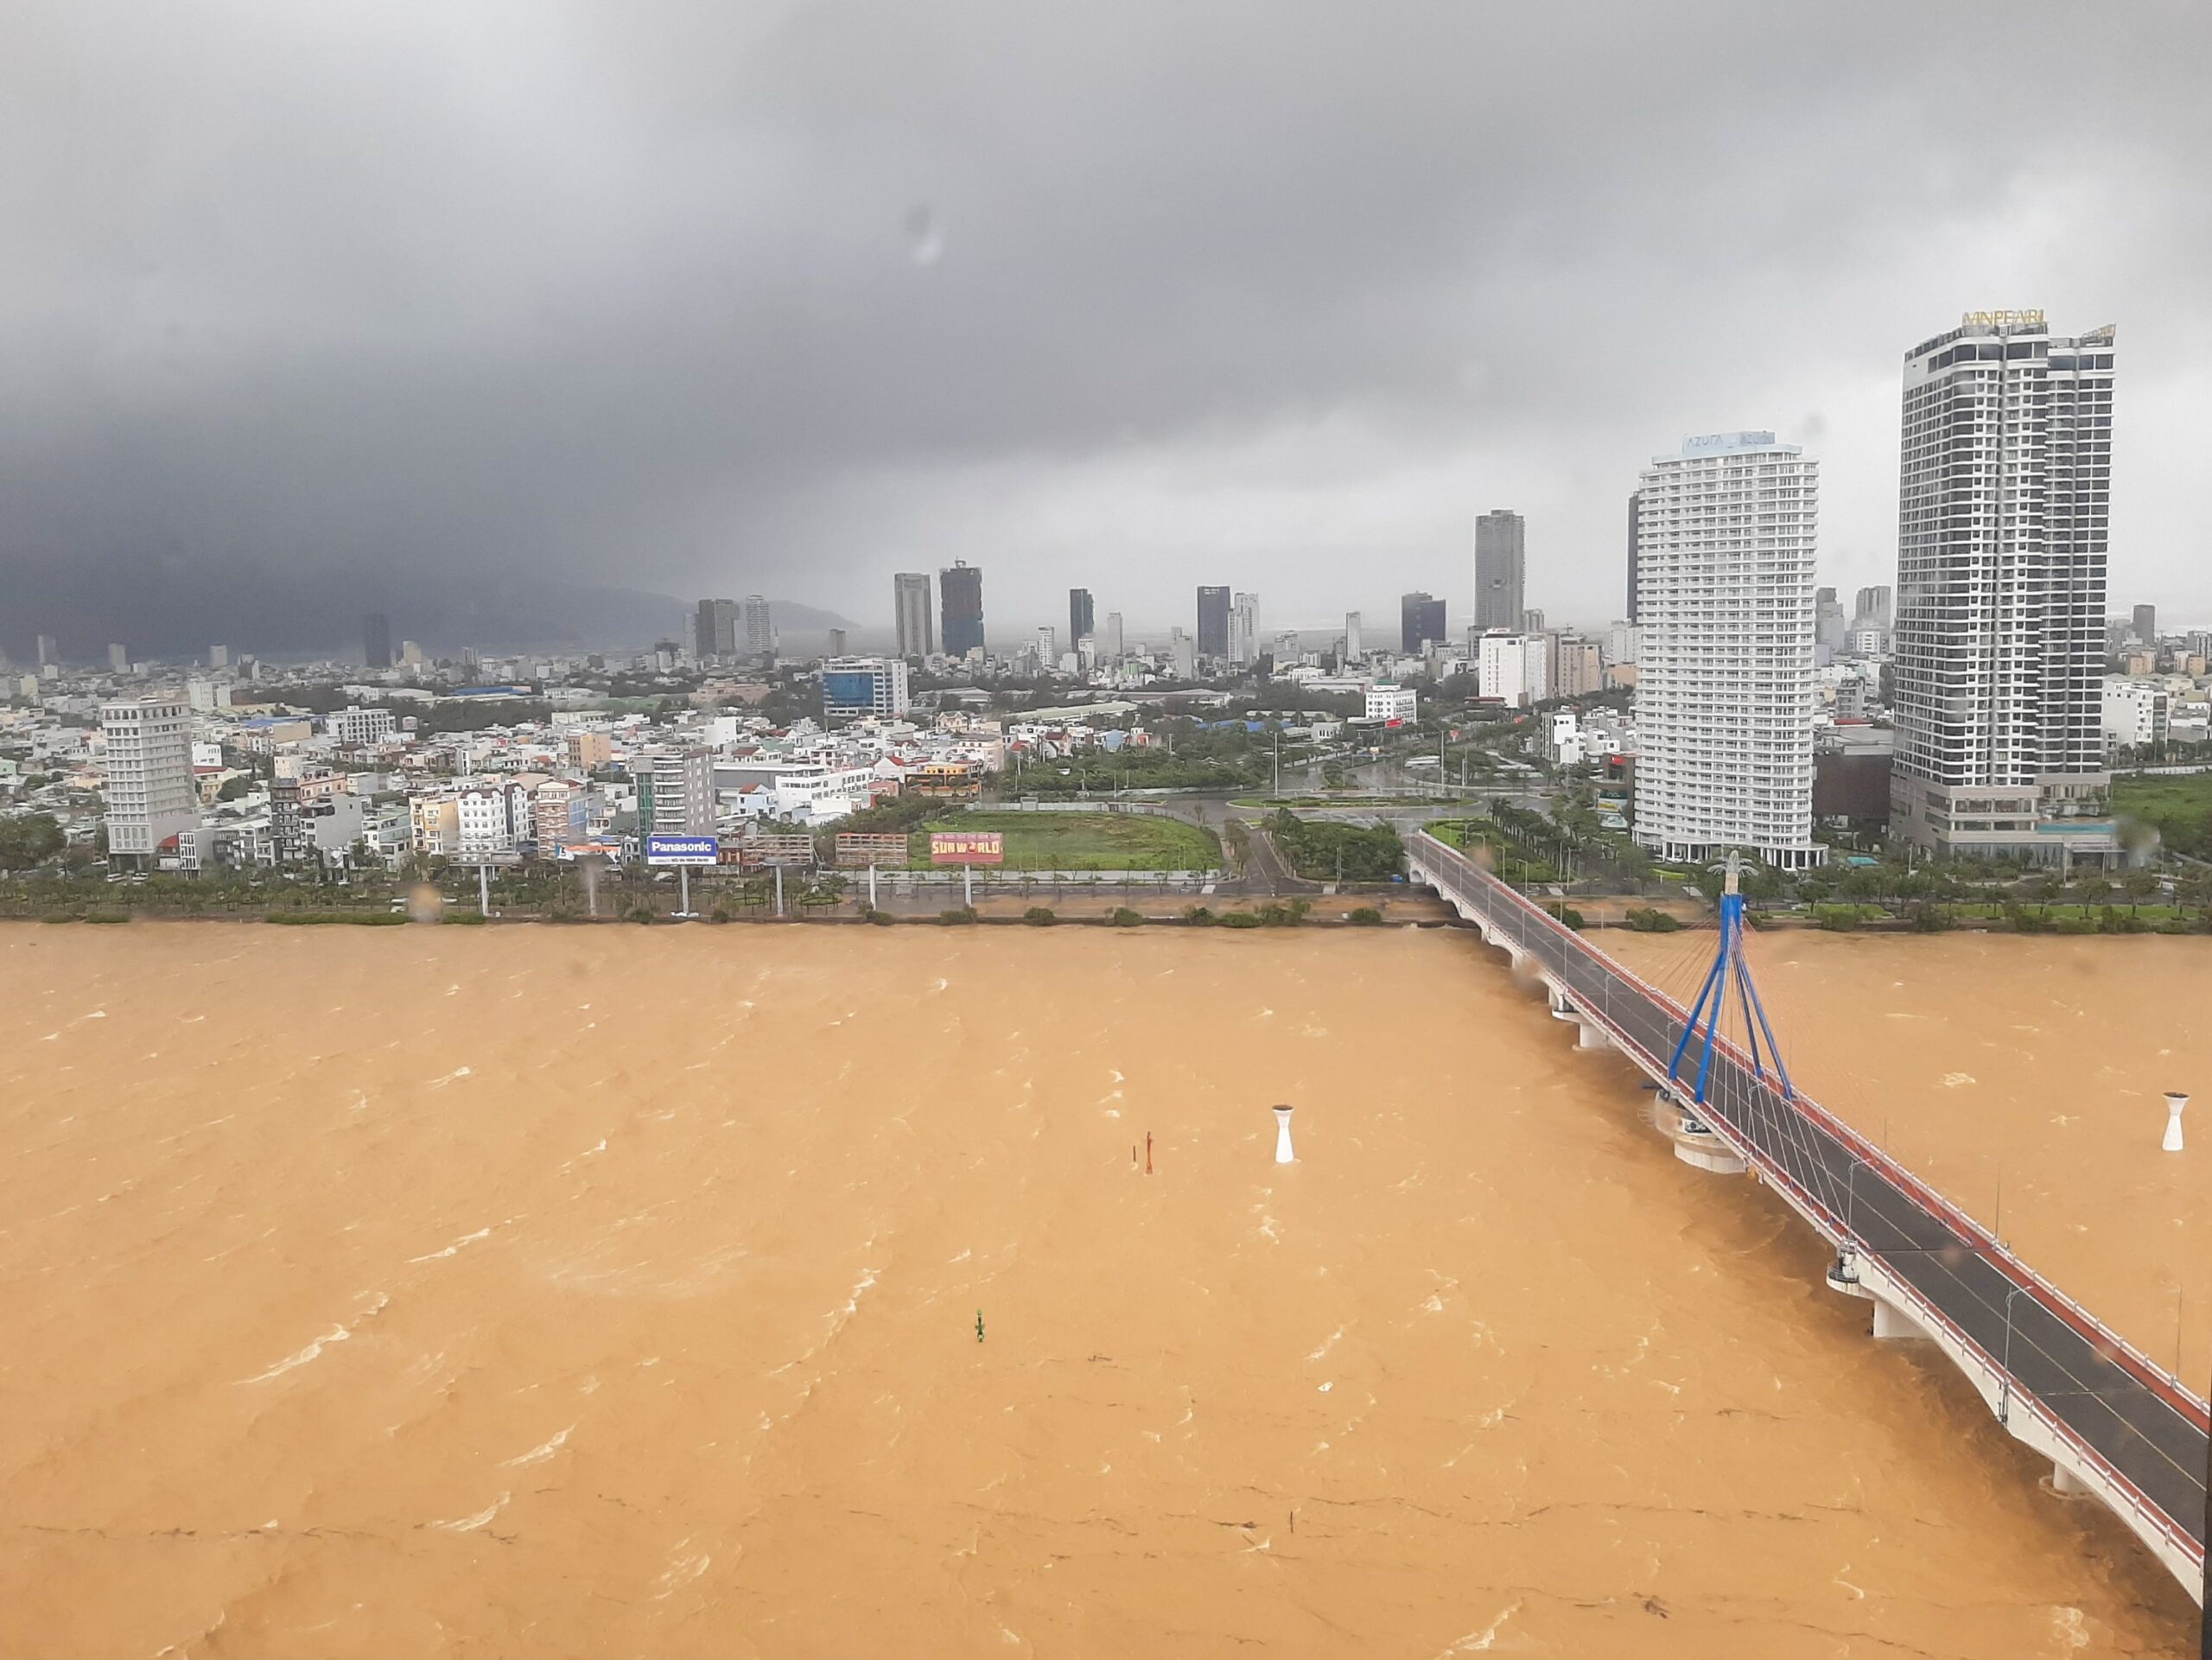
{"x":2002,"y":318}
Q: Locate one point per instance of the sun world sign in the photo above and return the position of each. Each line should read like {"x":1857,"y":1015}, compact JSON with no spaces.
{"x":967,"y":848}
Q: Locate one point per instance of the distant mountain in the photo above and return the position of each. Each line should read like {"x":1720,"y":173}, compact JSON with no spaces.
{"x":173,"y":607}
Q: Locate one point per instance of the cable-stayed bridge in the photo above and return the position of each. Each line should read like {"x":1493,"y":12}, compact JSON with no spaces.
{"x":2113,"y":1421}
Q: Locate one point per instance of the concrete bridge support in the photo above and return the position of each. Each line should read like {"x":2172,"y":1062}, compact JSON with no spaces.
{"x":2067,"y":1485}
{"x":1891,"y":1321}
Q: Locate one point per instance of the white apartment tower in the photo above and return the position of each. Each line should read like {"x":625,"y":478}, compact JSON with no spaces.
{"x":1724,"y":696}
{"x":2004,"y":488}
{"x":917,"y":625}
{"x":149,"y":791}
{"x":1244,"y":630}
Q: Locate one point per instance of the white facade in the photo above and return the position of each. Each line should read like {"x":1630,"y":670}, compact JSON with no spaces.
{"x":1623,"y":644}
{"x":482,"y":824}
{"x":853,"y":687}
{"x":1514,"y":668}
{"x":1244,"y":630}
{"x":1354,"y":649}
{"x":2135,"y":711}
{"x":1563,"y":739}
{"x":149,"y":791}
{"x":1724,"y":697}
{"x":360,"y":725}
{"x":2004,"y":489}
{"x":1387,"y":702}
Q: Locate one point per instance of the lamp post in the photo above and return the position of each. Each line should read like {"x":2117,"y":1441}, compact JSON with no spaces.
{"x":2005,"y":1388}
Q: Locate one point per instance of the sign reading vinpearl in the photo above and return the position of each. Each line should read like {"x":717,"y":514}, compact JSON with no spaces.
{"x":967,"y":848}
{"x":661,"y":849}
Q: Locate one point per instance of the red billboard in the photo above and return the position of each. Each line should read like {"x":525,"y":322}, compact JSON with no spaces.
{"x":967,"y":848}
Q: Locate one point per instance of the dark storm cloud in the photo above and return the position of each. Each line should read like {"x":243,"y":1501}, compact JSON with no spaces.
{"x":783,"y":298}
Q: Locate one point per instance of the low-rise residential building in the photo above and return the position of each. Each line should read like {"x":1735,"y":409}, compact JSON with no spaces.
{"x":2135,"y":712}
{"x":1391,"y":703}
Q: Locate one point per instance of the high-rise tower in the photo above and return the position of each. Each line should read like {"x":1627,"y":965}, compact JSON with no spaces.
{"x":1501,"y":540}
{"x":910,"y":599}
{"x":1213,"y":622}
{"x":2004,"y":489}
{"x":1724,"y":695}
{"x":960,"y":596}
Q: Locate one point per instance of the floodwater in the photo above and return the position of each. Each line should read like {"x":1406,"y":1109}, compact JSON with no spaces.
{"x":2023,"y":1077}
{"x":531,"y":1291}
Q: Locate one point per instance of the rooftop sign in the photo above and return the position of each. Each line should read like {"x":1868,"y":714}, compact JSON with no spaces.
{"x":2002,"y":318}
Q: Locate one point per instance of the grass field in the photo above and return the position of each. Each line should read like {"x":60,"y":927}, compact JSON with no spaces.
{"x":2181,"y":808}
{"x":1085,"y":841}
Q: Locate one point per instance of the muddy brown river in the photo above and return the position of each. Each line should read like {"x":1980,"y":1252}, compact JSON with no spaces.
{"x":531,"y":1291}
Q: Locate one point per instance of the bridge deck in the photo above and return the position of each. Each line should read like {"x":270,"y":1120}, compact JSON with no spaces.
{"x":2119,"y":1408}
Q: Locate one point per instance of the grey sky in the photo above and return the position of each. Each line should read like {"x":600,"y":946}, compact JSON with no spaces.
{"x":715,"y":299}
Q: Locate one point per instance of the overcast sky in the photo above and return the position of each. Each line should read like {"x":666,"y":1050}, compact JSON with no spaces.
{"x":707,"y":298}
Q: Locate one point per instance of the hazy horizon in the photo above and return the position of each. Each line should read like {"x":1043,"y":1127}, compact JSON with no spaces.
{"x":309,"y":312}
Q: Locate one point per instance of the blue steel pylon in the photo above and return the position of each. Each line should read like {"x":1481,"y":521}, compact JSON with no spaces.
{"x":1729,"y":971}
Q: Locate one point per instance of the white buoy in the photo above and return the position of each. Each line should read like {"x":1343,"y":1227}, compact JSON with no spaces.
{"x":2175,"y":1102}
{"x":1283,"y":1155}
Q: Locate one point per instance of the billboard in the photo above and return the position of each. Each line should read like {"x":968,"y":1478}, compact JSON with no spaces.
{"x":858,"y":848}
{"x":662,"y":850}
{"x":764,"y":851}
{"x":967,"y":848}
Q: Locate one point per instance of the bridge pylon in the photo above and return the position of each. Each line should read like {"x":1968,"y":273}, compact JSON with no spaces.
{"x":1729,"y":975}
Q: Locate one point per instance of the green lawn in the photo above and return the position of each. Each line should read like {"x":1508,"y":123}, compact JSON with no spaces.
{"x":2180,"y":807}
{"x":1085,"y":841}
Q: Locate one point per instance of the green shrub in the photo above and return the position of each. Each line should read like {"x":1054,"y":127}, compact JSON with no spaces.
{"x":1566,"y":913}
{"x":958,"y":916}
{"x":643,"y":914}
{"x":1837,"y":919}
{"x":1365,"y":916}
{"x":1125,"y":918}
{"x":466,"y":918}
{"x":1649,"y":920}
{"x":1239,"y":920}
{"x":1039,"y":916}
{"x":880,"y":918}
{"x":1198,"y":917}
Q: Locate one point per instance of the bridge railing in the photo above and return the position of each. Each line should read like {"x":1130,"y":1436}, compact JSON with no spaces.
{"x":1481,"y":886}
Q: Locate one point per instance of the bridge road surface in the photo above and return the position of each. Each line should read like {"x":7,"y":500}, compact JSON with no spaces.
{"x":2153,"y":1442}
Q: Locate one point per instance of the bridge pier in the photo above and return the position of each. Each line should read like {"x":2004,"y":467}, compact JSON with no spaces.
{"x":1892,"y":1322}
{"x":2067,"y":1485}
